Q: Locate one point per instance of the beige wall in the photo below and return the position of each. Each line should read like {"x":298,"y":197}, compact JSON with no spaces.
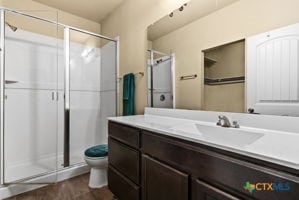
{"x":235,"y":22}
{"x":129,"y":21}
{"x":225,"y":98}
{"x":149,"y":44}
{"x":51,"y":13}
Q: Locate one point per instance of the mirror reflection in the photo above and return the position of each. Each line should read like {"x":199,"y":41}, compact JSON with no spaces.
{"x":221,"y":62}
{"x":160,"y":70}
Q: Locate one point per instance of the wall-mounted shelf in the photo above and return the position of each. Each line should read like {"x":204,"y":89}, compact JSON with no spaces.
{"x":222,"y":81}
{"x":209,"y":61}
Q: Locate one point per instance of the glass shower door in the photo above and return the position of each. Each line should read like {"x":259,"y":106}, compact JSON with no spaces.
{"x":92,"y":91}
{"x":30,"y":95}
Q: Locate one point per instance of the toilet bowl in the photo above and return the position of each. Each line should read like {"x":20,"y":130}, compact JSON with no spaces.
{"x":97,"y":159}
{"x":98,"y":171}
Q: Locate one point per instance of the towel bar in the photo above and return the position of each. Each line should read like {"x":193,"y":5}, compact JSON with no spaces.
{"x":193,"y":76}
{"x":138,"y":73}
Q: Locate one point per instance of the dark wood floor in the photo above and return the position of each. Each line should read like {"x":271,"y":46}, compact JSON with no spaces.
{"x":75,"y":188}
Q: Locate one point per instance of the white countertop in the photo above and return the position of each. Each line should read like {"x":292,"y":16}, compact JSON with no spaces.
{"x":270,"y":145}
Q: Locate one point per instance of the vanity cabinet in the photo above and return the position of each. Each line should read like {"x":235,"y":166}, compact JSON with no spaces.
{"x":160,"y":167}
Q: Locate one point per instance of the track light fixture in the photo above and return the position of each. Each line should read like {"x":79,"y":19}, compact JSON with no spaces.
{"x":180,"y":9}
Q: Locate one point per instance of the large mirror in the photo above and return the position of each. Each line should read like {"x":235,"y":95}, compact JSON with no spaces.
{"x":225,"y":55}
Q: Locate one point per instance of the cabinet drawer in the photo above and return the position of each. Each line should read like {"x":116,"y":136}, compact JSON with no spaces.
{"x":204,"y":191}
{"x":218,"y":169}
{"x":121,"y":187}
{"x":162,"y":182}
{"x":124,"y":159}
{"x":124,"y":134}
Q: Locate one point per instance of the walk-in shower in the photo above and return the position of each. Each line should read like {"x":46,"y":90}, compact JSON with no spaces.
{"x":161,"y":81}
{"x":58,"y":86}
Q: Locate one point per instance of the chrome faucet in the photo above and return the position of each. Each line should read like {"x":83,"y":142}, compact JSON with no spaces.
{"x":223,"y":121}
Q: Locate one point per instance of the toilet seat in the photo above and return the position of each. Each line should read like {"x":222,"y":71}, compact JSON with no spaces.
{"x":97,"y":151}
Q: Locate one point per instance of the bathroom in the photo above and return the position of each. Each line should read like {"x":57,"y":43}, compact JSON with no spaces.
{"x":152,"y":100}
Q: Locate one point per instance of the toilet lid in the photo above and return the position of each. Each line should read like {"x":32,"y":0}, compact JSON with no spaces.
{"x":97,"y":151}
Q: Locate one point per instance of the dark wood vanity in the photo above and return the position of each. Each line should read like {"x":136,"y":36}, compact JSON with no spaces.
{"x":151,"y":166}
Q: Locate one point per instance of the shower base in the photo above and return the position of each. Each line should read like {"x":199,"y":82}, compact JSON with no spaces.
{"x":41,"y":181}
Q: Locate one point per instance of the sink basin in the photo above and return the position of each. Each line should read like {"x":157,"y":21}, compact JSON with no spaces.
{"x":219,"y":135}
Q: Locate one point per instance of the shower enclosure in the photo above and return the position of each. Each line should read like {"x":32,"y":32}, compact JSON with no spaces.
{"x":161,"y":73}
{"x":58,"y":86}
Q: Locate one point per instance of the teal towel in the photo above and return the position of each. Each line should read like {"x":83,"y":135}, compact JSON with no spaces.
{"x":129,"y":94}
{"x":97,"y":151}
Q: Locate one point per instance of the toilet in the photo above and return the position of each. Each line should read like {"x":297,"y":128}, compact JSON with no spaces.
{"x":96,"y":158}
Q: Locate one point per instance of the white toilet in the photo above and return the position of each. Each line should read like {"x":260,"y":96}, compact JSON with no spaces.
{"x":97,"y":158}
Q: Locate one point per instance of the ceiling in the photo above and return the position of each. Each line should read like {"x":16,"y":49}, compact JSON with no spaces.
{"x":95,"y":10}
{"x":194,"y":10}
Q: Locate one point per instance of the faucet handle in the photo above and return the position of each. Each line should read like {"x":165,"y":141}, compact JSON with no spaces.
{"x":235,"y":124}
{"x":220,"y":117}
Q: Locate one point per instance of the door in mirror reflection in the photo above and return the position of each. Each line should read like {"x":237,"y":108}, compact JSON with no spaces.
{"x":273,"y":72}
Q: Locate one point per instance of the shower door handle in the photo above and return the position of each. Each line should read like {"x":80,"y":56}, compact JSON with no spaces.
{"x":54,"y":96}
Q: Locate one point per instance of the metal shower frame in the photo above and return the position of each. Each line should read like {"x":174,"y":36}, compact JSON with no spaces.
{"x":67,"y":30}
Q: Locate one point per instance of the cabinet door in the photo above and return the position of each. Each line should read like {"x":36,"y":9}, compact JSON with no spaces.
{"x":122,"y":187}
{"x":203,"y":191}
{"x":162,"y":182}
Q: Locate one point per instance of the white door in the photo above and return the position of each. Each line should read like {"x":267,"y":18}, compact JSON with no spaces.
{"x":272,"y":72}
